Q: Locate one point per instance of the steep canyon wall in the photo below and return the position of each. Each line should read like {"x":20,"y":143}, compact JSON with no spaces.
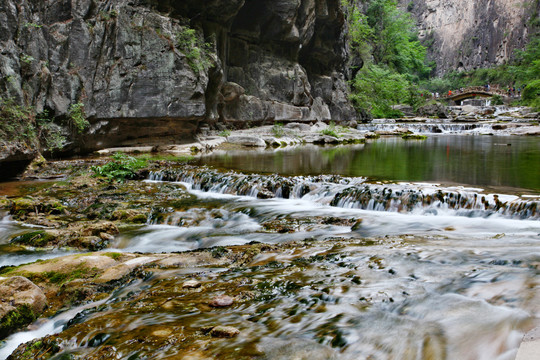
{"x":465,"y":35}
{"x":153,"y":71}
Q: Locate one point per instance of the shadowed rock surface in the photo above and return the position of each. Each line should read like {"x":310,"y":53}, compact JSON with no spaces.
{"x":150,"y":72}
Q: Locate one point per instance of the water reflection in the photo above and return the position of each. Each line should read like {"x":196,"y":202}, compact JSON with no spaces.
{"x":491,"y":161}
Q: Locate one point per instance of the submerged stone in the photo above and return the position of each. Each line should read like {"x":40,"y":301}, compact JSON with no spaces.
{"x":191,"y":284}
{"x":224,"y":331}
{"x":222,"y":301}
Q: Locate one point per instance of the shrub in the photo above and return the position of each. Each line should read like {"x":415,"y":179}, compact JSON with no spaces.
{"x":225,"y":133}
{"x":77,"y":117}
{"x":17,"y":122}
{"x":121,"y":167}
{"x":497,"y":100}
{"x":531,"y":94}
{"x":330,"y":130}
{"x":195,"y":50}
{"x":49,"y":134}
{"x":278,"y":130}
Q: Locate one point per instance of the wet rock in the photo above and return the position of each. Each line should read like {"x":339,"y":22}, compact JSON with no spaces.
{"x":298,"y":126}
{"x":118,"y":271}
{"x":40,"y":348}
{"x":191,"y":284}
{"x":92,"y":243}
{"x":221,"y":301}
{"x":470,"y":109}
{"x":21,"y":302}
{"x":433,"y":110}
{"x":39,"y":238}
{"x":101,"y":227}
{"x":250,"y":141}
{"x":357,"y":225}
{"x":326,"y":139}
{"x":530,"y":345}
{"x":224,"y":331}
{"x":396,"y":131}
{"x":27,"y":205}
{"x":106,"y":237}
{"x":130,"y":216}
{"x":162,"y":332}
{"x":407,"y":110}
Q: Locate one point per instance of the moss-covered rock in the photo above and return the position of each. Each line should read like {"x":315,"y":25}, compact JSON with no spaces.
{"x":42,"y":348}
{"x":413,"y":137}
{"x":130,"y":216}
{"x":23,"y":206}
{"x":21,"y":302}
{"x":39,"y":238}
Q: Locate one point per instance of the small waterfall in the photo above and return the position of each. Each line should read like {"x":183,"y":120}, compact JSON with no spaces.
{"x":347,"y":192}
{"x":429,"y":128}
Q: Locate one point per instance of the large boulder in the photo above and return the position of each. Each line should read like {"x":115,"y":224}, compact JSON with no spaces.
{"x":21,"y":302}
{"x":433,"y":110}
{"x":250,"y":141}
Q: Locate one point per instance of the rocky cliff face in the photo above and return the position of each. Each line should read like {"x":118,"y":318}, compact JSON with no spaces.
{"x":464,"y":35}
{"x":149,"y":69}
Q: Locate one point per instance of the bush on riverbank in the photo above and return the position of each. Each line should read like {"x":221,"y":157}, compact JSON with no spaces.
{"x":121,"y":167}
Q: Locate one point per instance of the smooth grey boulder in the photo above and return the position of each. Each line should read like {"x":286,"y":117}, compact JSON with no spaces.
{"x":251,"y":141}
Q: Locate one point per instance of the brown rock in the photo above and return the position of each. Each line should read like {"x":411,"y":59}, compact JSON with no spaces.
{"x":222,"y":301}
{"x":17,"y":291}
{"x":191,"y":284}
{"x":224,"y":331}
{"x":98,"y":228}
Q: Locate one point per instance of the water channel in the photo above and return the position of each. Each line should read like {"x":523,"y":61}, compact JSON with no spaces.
{"x":443,"y":265}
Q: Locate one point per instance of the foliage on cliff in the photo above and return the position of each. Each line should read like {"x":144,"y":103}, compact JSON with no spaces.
{"x":385,"y":38}
{"x":24,"y":125}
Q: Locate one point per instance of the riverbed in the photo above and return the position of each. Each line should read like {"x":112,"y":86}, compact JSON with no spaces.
{"x":388,"y":250}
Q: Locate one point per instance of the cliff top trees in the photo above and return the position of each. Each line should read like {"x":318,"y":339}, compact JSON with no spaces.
{"x":385,"y":38}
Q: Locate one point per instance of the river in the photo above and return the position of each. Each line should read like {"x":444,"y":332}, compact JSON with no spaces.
{"x":442,"y":262}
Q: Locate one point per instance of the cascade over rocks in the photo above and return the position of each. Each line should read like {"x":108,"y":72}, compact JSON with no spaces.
{"x":150,"y":71}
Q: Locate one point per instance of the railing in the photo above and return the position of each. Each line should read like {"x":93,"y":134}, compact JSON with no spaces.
{"x":493,"y":90}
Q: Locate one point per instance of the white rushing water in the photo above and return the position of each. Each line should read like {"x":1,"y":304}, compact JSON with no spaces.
{"x":457,"y":278}
{"x":238,"y":222}
{"x":43,"y":328}
{"x":10,"y":229}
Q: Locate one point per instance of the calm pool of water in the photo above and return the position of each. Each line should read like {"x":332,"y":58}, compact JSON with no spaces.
{"x":487,"y":161}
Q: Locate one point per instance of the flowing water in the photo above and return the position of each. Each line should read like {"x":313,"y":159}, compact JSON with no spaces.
{"x":487,"y":161}
{"x":427,"y":271}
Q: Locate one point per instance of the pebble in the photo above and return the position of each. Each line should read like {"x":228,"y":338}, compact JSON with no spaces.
{"x":222,"y":301}
{"x":162,"y":332}
{"x":191,"y":284}
{"x":106,"y":237}
{"x":224,"y":331}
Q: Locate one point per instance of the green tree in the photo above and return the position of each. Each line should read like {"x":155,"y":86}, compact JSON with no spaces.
{"x":377,"y":88}
{"x":385,"y":37}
